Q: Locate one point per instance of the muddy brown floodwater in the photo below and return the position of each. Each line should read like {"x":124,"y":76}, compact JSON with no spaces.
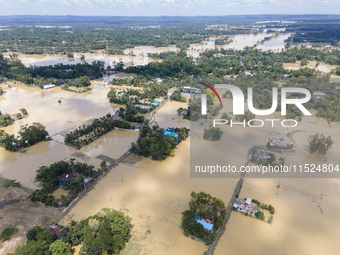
{"x":153,"y":194}
{"x":240,"y":42}
{"x":59,"y":118}
{"x":132,"y":56}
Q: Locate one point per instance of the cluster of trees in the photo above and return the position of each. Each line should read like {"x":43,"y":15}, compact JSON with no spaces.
{"x":152,"y":143}
{"x":28,"y":136}
{"x":260,"y":214}
{"x":66,"y":71}
{"x":50,"y":178}
{"x":212,"y":134}
{"x":194,"y":109}
{"x":114,"y":97}
{"x":107,"y":232}
{"x":182,"y":110}
{"x":320,"y":143}
{"x":176,"y":95}
{"x":204,"y":206}
{"x":93,"y":131}
{"x":133,"y":114}
{"x":5,"y":119}
{"x":336,"y":71}
{"x":224,"y":41}
{"x":269,"y":161}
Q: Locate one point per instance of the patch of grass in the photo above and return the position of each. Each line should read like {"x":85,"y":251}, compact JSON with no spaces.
{"x":7,"y":233}
{"x":12,"y":183}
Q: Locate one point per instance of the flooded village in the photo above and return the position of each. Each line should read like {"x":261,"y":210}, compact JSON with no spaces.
{"x":154,"y":193}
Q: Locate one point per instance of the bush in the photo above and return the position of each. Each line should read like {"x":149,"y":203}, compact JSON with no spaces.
{"x":12,"y":183}
{"x":7,"y":233}
{"x":260,"y":215}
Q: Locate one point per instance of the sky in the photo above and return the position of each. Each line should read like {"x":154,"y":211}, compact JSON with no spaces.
{"x":167,"y":7}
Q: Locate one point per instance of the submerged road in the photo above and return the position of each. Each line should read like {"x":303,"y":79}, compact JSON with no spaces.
{"x":237,"y":191}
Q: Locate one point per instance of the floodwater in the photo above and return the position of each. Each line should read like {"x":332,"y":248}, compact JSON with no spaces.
{"x":323,"y":67}
{"x":167,"y":116}
{"x":142,"y":51}
{"x":59,"y":118}
{"x":109,"y":60}
{"x":306,"y":219}
{"x":153,"y":194}
{"x":240,"y":42}
{"x":133,"y":56}
{"x":118,"y":75}
{"x":275,"y":44}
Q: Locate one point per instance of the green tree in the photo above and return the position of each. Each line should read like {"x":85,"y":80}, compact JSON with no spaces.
{"x":23,"y":111}
{"x":320,"y":143}
{"x":212,"y":134}
{"x":60,"y":248}
{"x":260,"y":215}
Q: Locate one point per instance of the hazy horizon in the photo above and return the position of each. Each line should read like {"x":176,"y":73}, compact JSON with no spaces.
{"x":167,"y":7}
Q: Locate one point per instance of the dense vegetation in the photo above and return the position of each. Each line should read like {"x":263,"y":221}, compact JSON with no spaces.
{"x":260,"y":214}
{"x":28,"y":136}
{"x":5,"y":119}
{"x":7,"y":233}
{"x":176,"y":95}
{"x":93,"y":131}
{"x":77,"y":75}
{"x":206,"y":207}
{"x":109,"y":34}
{"x":107,"y":232}
{"x":131,"y":113}
{"x":50,"y":179}
{"x":152,"y":143}
{"x":327,"y":32}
